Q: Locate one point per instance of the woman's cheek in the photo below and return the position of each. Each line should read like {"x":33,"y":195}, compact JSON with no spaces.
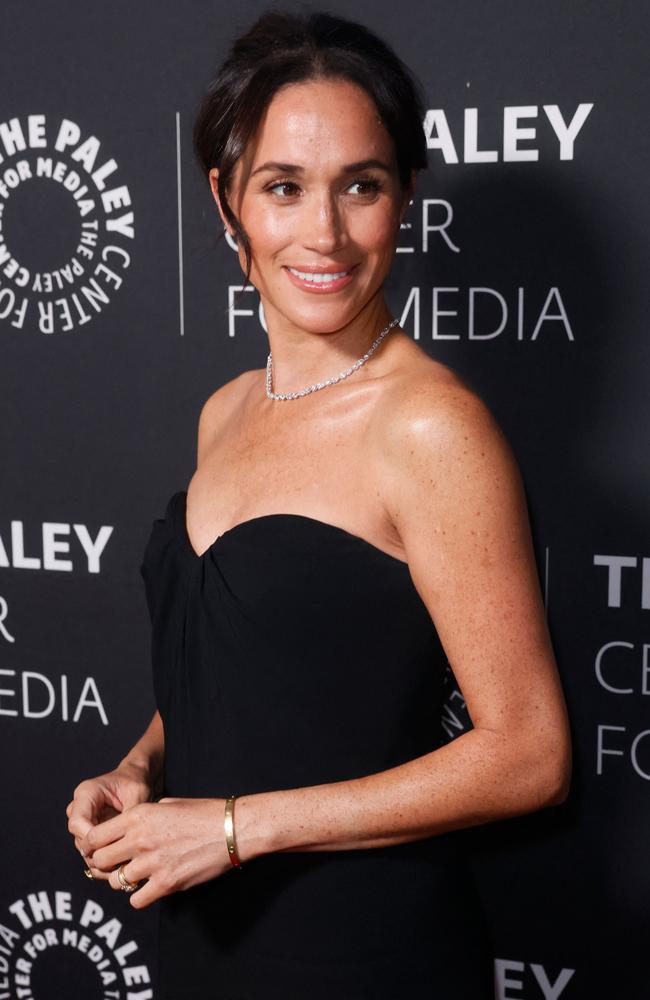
{"x":270,"y":226}
{"x":376,"y":232}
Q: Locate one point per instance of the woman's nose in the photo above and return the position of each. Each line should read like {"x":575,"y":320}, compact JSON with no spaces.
{"x":324,"y":224}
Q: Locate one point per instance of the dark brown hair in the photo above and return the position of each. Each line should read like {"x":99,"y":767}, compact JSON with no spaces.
{"x":283,"y":47}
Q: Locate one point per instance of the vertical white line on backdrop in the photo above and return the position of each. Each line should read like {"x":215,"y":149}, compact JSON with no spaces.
{"x":180,"y":225}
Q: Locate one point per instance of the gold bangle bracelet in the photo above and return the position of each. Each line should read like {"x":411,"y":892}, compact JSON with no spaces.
{"x":229,"y":827}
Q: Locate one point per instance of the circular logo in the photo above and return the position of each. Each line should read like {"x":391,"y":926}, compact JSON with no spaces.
{"x":66,"y":225}
{"x":51,"y":948}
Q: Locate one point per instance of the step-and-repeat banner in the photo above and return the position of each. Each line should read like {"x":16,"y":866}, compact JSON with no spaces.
{"x":521,"y":263}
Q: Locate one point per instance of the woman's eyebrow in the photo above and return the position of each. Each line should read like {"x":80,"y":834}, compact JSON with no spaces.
{"x":294,"y":168}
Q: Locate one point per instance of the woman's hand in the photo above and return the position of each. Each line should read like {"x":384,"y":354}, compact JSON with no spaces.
{"x":174,"y":843}
{"x":96,"y":800}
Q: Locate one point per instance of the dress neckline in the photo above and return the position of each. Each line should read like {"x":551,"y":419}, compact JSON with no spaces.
{"x":277,"y":516}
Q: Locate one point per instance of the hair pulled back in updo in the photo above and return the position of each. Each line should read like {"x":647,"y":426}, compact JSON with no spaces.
{"x":283,"y":47}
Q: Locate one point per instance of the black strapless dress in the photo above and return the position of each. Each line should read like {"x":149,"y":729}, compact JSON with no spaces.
{"x":294,"y":653}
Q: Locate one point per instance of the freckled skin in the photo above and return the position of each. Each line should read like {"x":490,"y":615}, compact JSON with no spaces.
{"x":404,"y":454}
{"x":320,"y":126}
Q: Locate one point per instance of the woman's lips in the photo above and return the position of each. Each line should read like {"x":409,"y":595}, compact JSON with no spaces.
{"x":321,"y":287}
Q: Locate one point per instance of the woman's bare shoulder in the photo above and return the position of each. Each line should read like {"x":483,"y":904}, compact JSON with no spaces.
{"x":425,"y":396}
{"x":217,"y":408}
{"x":435,"y":436}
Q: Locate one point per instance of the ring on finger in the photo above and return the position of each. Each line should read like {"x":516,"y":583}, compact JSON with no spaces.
{"x":124,"y":883}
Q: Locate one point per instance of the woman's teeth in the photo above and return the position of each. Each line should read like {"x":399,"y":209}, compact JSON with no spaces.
{"x":317,"y":278}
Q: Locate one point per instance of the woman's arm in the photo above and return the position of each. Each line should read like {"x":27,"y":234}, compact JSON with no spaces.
{"x":148,"y":754}
{"x":452,"y":488}
{"x":477,"y":778}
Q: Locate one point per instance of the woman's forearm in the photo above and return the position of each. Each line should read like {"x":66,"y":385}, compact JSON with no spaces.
{"x":479,"y":777}
{"x":149,"y":753}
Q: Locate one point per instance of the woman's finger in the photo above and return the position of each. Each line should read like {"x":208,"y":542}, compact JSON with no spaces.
{"x":77,"y":844}
{"x":134,"y":871}
{"x":98,"y":874}
{"x":82,"y":813}
{"x":147,"y":894}
{"x":108,"y":858}
{"x":109,"y":831}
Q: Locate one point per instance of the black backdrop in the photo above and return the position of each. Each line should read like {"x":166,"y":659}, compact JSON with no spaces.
{"x":521,"y":264}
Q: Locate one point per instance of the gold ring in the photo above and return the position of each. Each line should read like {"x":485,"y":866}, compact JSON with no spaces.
{"x":88,"y":872}
{"x":125,"y":884}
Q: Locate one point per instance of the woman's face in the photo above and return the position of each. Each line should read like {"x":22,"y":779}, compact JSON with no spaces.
{"x":304,"y":204}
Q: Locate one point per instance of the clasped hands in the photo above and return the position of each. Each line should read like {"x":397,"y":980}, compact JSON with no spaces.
{"x":173,"y":844}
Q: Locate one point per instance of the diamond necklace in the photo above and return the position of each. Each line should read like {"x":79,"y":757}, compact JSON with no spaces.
{"x":330,"y":381}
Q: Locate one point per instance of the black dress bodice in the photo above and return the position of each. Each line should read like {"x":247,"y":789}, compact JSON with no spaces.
{"x":293,"y":653}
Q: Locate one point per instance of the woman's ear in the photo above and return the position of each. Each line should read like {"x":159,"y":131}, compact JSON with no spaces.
{"x":213,"y":177}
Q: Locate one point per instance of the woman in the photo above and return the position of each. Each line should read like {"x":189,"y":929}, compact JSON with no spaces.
{"x":355,"y":520}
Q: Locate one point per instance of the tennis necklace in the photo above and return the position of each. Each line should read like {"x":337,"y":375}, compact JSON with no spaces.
{"x":330,"y":381}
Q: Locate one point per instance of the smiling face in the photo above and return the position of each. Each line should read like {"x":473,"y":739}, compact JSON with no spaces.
{"x":313,"y":202}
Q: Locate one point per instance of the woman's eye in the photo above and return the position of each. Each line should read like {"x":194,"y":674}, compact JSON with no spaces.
{"x":369,"y":187}
{"x":281,"y":184}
